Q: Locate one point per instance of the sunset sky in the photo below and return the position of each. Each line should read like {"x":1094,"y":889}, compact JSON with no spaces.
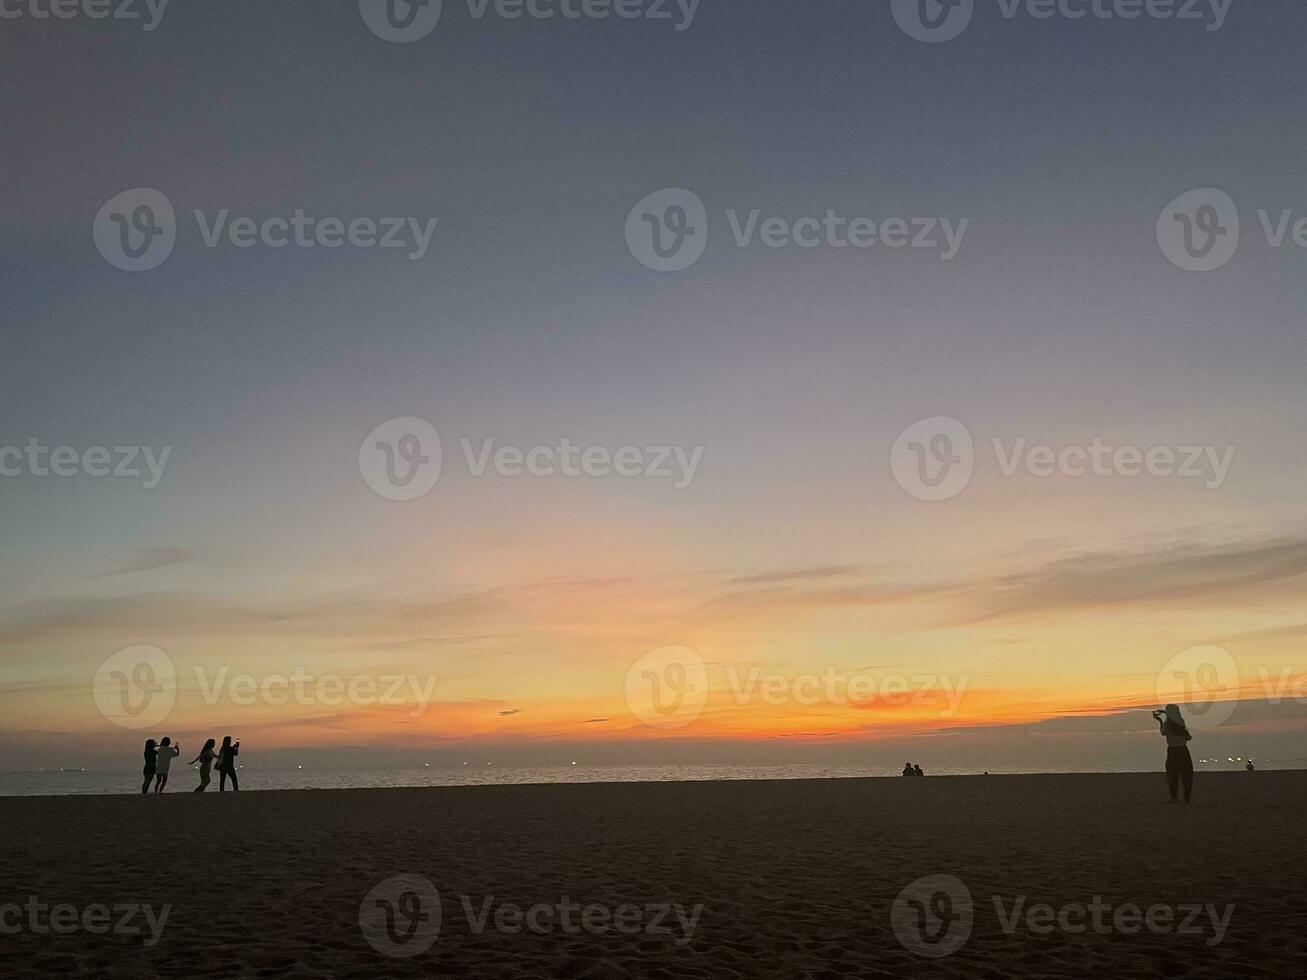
{"x":1054,"y":602}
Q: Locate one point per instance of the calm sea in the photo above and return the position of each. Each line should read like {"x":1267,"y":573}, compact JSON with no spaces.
{"x":82,"y":782}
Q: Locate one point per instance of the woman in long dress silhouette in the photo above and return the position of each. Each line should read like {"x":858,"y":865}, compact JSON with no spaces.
{"x":1179,"y":763}
{"x":151,"y":762}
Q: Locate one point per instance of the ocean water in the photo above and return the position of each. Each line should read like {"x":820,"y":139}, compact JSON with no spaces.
{"x":90,"y":783}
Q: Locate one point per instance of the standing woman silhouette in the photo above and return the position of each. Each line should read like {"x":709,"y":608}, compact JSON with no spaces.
{"x":227,"y":764}
{"x":167,"y":752}
{"x":151,"y":761}
{"x":205,"y":759}
{"x":1179,"y":763}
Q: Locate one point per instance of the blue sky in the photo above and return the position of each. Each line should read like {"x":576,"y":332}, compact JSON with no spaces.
{"x":1059,"y":321}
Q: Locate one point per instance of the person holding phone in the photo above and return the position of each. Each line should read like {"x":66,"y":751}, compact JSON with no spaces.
{"x":1179,"y":763}
{"x":227,"y":763}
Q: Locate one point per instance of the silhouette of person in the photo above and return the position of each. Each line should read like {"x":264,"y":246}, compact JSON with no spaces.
{"x":227,"y":764}
{"x":205,"y":759}
{"x":151,"y":760}
{"x":1250,"y":767}
{"x":1179,"y":763}
{"x":916,"y":770}
{"x":167,"y":752}
{"x":907,"y":769}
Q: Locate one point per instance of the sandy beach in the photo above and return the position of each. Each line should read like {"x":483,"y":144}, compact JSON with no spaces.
{"x":1063,"y":875}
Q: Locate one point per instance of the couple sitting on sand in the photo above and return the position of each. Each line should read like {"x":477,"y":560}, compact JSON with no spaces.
{"x":159,"y":760}
{"x":912,"y":770}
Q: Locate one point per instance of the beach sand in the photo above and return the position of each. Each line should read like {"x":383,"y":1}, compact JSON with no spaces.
{"x":795,"y":879}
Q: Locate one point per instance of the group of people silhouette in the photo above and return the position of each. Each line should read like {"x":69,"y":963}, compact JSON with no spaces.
{"x":158,"y":760}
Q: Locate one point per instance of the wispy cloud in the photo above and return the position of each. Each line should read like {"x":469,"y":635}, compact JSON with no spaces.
{"x":815,"y":573}
{"x":144,"y":561}
{"x":1231,"y":573}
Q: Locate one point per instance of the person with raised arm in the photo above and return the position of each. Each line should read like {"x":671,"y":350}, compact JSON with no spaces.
{"x":205,"y":759}
{"x":227,"y":763}
{"x":167,"y":752}
{"x":1179,"y":763}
